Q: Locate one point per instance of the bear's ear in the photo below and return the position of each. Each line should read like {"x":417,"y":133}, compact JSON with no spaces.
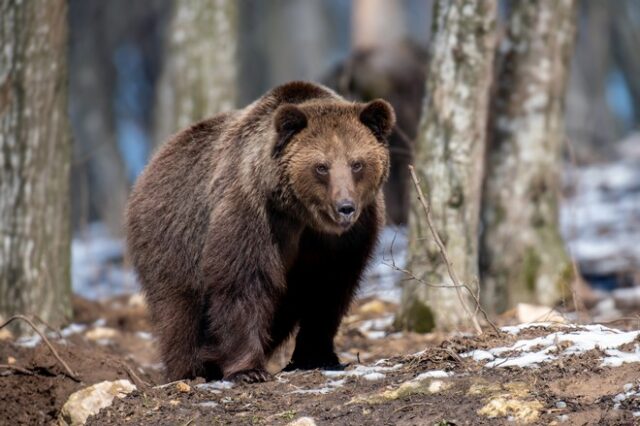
{"x":289,"y":120}
{"x":379,"y":117}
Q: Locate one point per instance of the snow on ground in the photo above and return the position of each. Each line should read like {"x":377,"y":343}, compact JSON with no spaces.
{"x":97,"y":265}
{"x":600,"y":218}
{"x":562,"y":341}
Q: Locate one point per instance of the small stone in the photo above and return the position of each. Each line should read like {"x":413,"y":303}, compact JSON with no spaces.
{"x":563,"y":418}
{"x":627,"y":387}
{"x":11,"y":360}
{"x":561,"y":404}
{"x":137,"y":301}
{"x":302,"y":421}
{"x":183,"y":387}
{"x":174,"y":402}
{"x":89,"y":401}
{"x":5,"y":334}
{"x":100,"y":333}
{"x":375,"y":307}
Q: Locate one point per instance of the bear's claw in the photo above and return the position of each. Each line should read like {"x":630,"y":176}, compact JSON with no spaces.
{"x":255,"y":375}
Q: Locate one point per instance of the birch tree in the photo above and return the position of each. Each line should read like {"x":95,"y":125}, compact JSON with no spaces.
{"x":35,"y":157}
{"x":449,"y":159}
{"x":199,"y":78}
{"x":524,"y":258}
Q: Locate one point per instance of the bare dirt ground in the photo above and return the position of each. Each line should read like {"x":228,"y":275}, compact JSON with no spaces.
{"x":394,"y":378}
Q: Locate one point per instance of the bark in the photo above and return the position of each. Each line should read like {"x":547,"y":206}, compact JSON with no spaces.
{"x":523,"y":255}
{"x":200,"y":70}
{"x":449,"y":154}
{"x":34,"y":161}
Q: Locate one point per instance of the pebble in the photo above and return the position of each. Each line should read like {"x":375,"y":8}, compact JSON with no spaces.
{"x":183,"y":387}
{"x":561,"y":404}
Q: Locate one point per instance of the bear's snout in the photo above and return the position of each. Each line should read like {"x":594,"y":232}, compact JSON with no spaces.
{"x":346,"y":209}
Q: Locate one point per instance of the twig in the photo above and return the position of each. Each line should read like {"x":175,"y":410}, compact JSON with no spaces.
{"x":445,"y":258}
{"x":133,"y":375}
{"x":16,"y":368}
{"x":70,"y":372}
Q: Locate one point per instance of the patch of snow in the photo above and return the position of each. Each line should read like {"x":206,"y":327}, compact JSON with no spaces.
{"x":215,"y":386}
{"x":582,"y":339}
{"x":330,"y":387}
{"x":374,"y":376}
{"x":72,"y":329}
{"x":515,"y":329}
{"x":381,"y":280}
{"x":478,"y":355}
{"x":362,"y":370}
{"x":616,"y":358}
{"x":144,"y":335}
{"x":433,"y":374}
{"x":28,"y":341}
{"x":599,"y":216}
{"x":97,"y":265}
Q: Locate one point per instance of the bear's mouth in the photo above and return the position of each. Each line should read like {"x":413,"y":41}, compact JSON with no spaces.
{"x":335,"y":224}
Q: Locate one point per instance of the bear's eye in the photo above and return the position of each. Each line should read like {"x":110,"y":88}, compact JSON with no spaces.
{"x":356,"y":167}
{"x":322,"y":169}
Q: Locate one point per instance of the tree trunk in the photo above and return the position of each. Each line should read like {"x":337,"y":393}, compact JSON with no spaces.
{"x":449,"y":154}
{"x":523,"y":255}
{"x":200,"y":72}
{"x":35,"y":155}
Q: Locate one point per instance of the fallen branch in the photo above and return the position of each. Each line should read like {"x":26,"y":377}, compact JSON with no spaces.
{"x":16,"y":368}
{"x":445,"y":258}
{"x":70,"y":372}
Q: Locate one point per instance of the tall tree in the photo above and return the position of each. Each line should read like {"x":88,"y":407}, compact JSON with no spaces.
{"x":200,"y":71}
{"x":448,"y":161}
{"x":524,"y":257}
{"x":34,"y":160}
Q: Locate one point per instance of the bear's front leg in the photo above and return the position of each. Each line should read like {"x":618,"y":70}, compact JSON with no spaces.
{"x":240,"y":340}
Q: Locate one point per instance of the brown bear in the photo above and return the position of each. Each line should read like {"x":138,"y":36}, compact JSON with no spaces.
{"x":253,"y":222}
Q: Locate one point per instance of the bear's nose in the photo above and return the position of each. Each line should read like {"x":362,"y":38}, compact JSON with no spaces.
{"x":346,"y":208}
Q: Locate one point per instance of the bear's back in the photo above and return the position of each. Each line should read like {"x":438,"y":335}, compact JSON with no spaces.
{"x":168,"y":210}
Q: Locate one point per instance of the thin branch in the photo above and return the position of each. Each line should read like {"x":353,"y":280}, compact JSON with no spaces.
{"x":70,"y":372}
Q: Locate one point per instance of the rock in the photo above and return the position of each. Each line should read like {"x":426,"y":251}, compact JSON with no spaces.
{"x":89,"y":401}
{"x":526,"y":313}
{"x":5,"y":334}
{"x":100,"y":333}
{"x":375,"y":307}
{"x":561,"y":404}
{"x":137,"y":301}
{"x":417,"y":386}
{"x":302,"y":421}
{"x":11,"y":360}
{"x":183,"y":387}
{"x":522,"y":411}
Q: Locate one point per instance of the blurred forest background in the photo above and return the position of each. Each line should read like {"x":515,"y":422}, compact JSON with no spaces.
{"x":136,"y":72}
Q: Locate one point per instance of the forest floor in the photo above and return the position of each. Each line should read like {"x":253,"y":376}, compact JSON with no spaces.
{"x":537,"y":374}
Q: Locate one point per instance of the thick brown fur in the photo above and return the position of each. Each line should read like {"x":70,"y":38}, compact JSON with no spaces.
{"x":237,"y":233}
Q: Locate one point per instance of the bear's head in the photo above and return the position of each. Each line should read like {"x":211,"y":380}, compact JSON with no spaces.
{"x":334,"y":157}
